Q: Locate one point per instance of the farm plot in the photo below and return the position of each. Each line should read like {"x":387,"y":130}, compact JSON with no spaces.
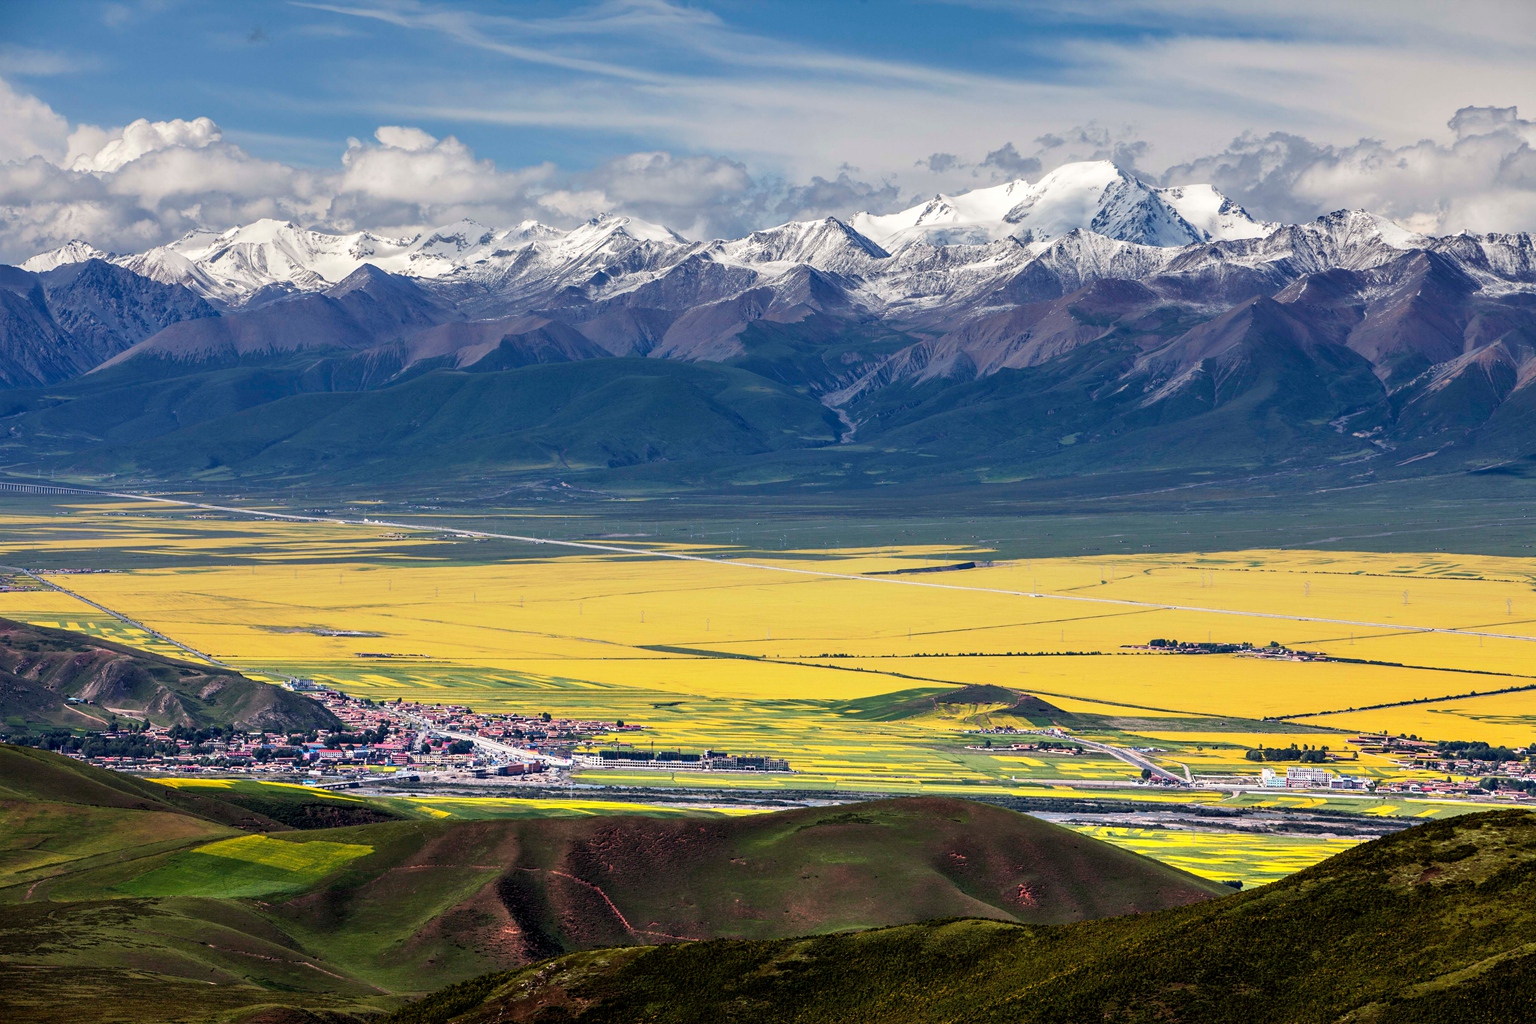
{"x":782,"y":655}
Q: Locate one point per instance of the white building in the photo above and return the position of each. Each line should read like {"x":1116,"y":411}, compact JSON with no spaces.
{"x":1307,"y":778}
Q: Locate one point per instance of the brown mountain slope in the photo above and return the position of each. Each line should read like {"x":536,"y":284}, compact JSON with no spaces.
{"x":40,"y":668}
{"x":487,"y":894}
{"x":1433,"y":925}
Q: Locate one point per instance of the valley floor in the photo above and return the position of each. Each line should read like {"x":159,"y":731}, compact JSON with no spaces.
{"x":867,"y":676}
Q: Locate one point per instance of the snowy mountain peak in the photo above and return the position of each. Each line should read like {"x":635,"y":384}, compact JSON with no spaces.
{"x":640,"y":230}
{"x":73,"y":251}
{"x":1094,"y":195}
{"x":1214,"y":215}
{"x":1352,"y":227}
{"x":826,"y":244}
{"x":1081,"y":221}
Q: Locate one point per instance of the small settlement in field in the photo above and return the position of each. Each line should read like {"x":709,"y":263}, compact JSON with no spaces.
{"x":390,"y":737}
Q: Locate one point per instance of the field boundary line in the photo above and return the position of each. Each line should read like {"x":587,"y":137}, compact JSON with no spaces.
{"x":1473,"y":695}
{"x":119,"y":616}
{"x":614,"y":549}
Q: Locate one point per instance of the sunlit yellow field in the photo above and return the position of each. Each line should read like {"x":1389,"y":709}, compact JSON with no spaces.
{"x":802,"y":655}
{"x":1223,"y":856}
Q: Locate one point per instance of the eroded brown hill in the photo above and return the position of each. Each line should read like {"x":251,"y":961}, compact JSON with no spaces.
{"x":41,"y":668}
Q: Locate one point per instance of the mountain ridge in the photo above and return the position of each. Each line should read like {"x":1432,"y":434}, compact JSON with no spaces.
{"x":1344,"y":341}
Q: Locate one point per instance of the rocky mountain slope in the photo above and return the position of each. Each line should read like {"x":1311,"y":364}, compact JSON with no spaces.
{"x":69,"y":319}
{"x":1086,"y":310}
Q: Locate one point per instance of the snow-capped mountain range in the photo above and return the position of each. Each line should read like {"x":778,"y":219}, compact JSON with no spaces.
{"x":939,"y":263}
{"x":259,"y":261}
{"x":1174,"y":301}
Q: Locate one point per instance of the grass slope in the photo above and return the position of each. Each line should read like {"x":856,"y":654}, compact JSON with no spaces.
{"x":119,"y":900}
{"x":595,"y":414}
{"x":36,"y":776}
{"x":1435,"y":924}
{"x":41,"y":667}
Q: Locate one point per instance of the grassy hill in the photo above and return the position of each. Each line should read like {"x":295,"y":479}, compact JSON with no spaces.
{"x":287,"y":420}
{"x":1435,"y":924}
{"x":32,"y":778}
{"x":41,"y":668}
{"x":120,"y":897}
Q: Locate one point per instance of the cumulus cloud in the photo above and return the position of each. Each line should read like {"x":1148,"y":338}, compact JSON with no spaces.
{"x":29,"y":127}
{"x":1484,"y":180}
{"x":130,"y":188}
{"x":1007,"y":160}
{"x":148,"y":182}
{"x":412,"y":140}
{"x":92,"y":149}
{"x":841,"y":196}
{"x":698,"y":196}
{"x":410,"y":177}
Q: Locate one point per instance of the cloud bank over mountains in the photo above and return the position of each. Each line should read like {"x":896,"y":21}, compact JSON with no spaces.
{"x":142,"y":184}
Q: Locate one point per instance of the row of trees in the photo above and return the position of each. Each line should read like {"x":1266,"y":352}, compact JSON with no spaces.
{"x":1303,"y":755}
{"x":1475,"y":750}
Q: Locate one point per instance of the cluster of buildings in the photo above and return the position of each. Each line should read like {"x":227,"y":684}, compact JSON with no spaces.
{"x":375,"y":736}
{"x":1069,"y":749}
{"x":1308,"y":777}
{"x":676,"y":760}
{"x":541,"y":735}
{"x":1273,"y":651}
{"x":393,"y":736}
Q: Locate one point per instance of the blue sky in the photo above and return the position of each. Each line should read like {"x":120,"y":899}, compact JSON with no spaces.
{"x":762,"y":110}
{"x":291,"y":81}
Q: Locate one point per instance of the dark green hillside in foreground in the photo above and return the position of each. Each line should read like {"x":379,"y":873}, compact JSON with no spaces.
{"x":124,"y":900}
{"x":1436,"y":924}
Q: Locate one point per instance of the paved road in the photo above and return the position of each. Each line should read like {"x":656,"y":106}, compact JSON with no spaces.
{"x":119,"y":616}
{"x":1130,"y":757}
{"x":520,"y":753}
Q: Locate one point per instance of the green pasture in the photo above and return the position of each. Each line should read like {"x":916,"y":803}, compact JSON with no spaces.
{"x":42,"y":841}
{"x":246,"y":866}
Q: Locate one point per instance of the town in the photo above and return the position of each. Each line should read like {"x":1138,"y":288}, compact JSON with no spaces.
{"x":383,"y":738}
{"x":377,"y":737}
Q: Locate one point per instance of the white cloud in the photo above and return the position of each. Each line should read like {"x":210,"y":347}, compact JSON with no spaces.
{"x":410,"y":139}
{"x":92,"y":149}
{"x":697,"y":196}
{"x":29,"y":127}
{"x":129,"y":188}
{"x":410,"y":178}
{"x":1185,"y":76}
{"x":25,"y":60}
{"x":1484,"y":180}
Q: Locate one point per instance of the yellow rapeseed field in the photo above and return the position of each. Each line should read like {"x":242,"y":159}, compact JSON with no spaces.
{"x":794,"y":654}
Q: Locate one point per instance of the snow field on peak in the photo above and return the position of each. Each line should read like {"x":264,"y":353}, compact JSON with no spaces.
{"x":1082,"y":222}
{"x":1211,"y":213}
{"x":73,"y":251}
{"x":1092,"y":195}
